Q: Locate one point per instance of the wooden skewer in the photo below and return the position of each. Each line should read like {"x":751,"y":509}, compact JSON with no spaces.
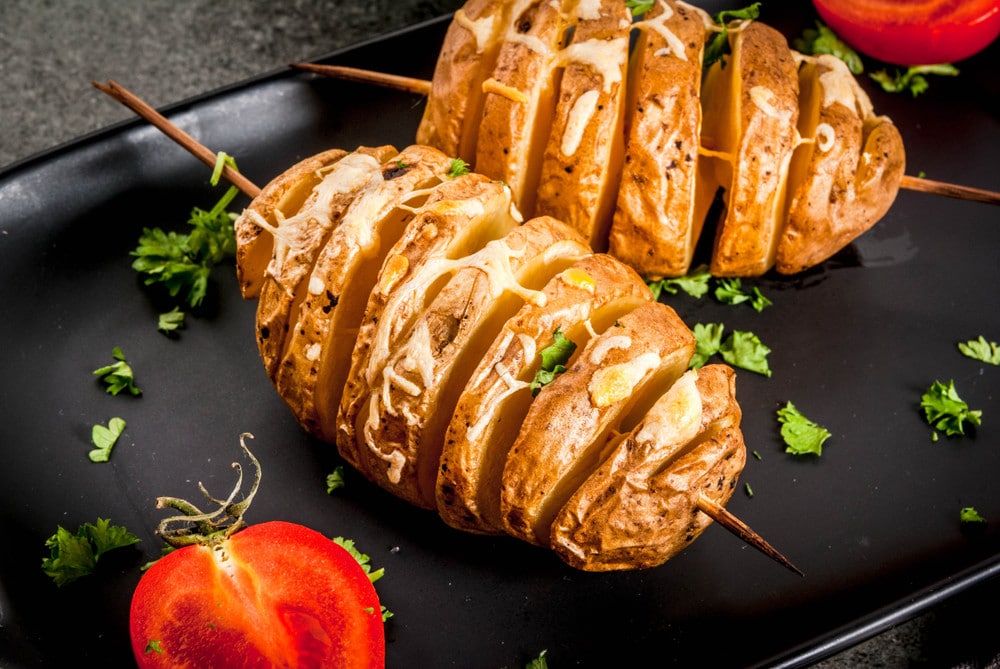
{"x":715,"y":511}
{"x":423,"y":87}
{"x":201,"y":152}
{"x":719,"y":514}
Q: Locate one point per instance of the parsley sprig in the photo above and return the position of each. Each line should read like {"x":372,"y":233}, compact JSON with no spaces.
{"x":801,"y":435}
{"x":699,"y":282}
{"x":912,"y":79}
{"x":980,"y":349}
{"x":365,"y":562}
{"x":118,"y":376}
{"x":718,"y":46}
{"x":73,"y":556}
{"x":183,"y":262}
{"x":105,"y":438}
{"x":554,"y":359}
{"x":741,"y":348}
{"x":946,"y":411}
{"x":822,"y":40}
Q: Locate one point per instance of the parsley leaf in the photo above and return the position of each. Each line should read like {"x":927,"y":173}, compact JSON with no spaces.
{"x":823,"y":40}
{"x":457,"y":168}
{"x":171,"y":321}
{"x":745,"y":350}
{"x":912,"y":79}
{"x":969,"y":515}
{"x":75,"y":555}
{"x":980,"y":349}
{"x":118,"y":376}
{"x":335,"y":480}
{"x":707,"y":342}
{"x":154,"y":646}
{"x":104,"y":438}
{"x":554,"y":359}
{"x":946,"y":411}
{"x":365,"y":562}
{"x":730,"y":291}
{"x":695,"y":283}
{"x":539,"y":662}
{"x":800,"y":434}
{"x":718,"y":46}
{"x":183,"y":262}
{"x":639,"y":7}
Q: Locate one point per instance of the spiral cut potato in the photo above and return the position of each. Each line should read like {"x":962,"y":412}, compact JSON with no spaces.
{"x":631,"y":145}
{"x":403,"y":314}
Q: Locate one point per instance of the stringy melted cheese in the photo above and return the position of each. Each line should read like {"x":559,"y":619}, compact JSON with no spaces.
{"x":604,"y":346}
{"x":674,"y":44}
{"x":612,"y":384}
{"x":607,"y":57}
{"x":576,"y":124}
{"x":481,"y":29}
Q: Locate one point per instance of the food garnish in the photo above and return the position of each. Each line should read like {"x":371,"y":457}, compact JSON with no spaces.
{"x":554,"y":358}
{"x":821,"y":39}
{"x":740,"y":349}
{"x":639,"y":7}
{"x":104,"y":438}
{"x":540,"y":662}
{"x":969,"y":514}
{"x":912,"y":79}
{"x":980,"y":349}
{"x":458,"y":168}
{"x":171,"y":321}
{"x":118,"y":376}
{"x":718,"y":46}
{"x":730,"y":291}
{"x":946,"y":411}
{"x":74,"y":556}
{"x":335,"y":479}
{"x":801,"y":435}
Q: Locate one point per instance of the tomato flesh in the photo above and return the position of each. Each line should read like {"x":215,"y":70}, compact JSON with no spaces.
{"x":272,"y":595}
{"x":913,"y":32}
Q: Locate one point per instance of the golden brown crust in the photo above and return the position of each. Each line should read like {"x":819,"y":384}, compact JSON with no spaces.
{"x":414,"y":397}
{"x":660,"y":209}
{"x":583,"y":156}
{"x":609,"y":384}
{"x":459,"y":216}
{"x":314,"y":364}
{"x":298,"y":238}
{"x":753,"y":120}
{"x":640,"y":507}
{"x":850,"y":172}
{"x":468,"y":54}
{"x":282,"y":196}
{"x":591,"y":295}
{"x":520,"y":97}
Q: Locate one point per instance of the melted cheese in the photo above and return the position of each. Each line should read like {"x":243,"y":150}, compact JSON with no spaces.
{"x":607,"y":57}
{"x":825,"y":137}
{"x":658,"y":24}
{"x":576,"y":124}
{"x":481,"y":29}
{"x":612,"y":384}
{"x":588,"y":10}
{"x":675,"y":418}
{"x":491,"y":85}
{"x":764,"y":99}
{"x":604,"y":346}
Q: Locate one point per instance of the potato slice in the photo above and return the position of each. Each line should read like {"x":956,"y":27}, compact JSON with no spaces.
{"x":750,"y":109}
{"x":520,"y":98}
{"x":467,"y":57}
{"x":414,"y":398}
{"x":661,"y":205}
{"x":459,"y":217}
{"x":582,"y":159}
{"x":640,"y":507}
{"x":588,"y":297}
{"x":610,"y":385}
{"x":297,"y":240}
{"x":846,"y":175}
{"x":279,"y":199}
{"x":317,"y":355}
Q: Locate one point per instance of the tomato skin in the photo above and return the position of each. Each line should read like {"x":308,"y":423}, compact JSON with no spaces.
{"x":914,"y":32}
{"x":283,"y":596}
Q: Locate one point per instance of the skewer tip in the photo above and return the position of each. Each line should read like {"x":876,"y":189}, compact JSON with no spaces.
{"x":719,"y":514}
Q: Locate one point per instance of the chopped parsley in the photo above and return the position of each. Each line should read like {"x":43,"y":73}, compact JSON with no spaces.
{"x":539,"y":662}
{"x":554,"y":359}
{"x":171,"y":321}
{"x":912,"y":79}
{"x":946,"y":411}
{"x":730,"y":291}
{"x":740,"y":349}
{"x":695,"y":283}
{"x":118,"y":376}
{"x":365,"y":562}
{"x":980,"y":349}
{"x":801,"y":435}
{"x":154,"y":646}
{"x":699,"y":281}
{"x":822,"y":40}
{"x":749,"y":490}
{"x":75,"y":555}
{"x":969,"y":515}
{"x":457,"y":168}
{"x":182,"y":263}
{"x":104,"y":439}
{"x":718,"y":46}
{"x":335,"y":480}
{"x":639,"y":7}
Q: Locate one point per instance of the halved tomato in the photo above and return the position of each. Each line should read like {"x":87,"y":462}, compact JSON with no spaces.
{"x":914,"y":32}
{"x":275,"y":594}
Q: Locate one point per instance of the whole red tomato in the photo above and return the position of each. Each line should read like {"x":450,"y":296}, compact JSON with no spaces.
{"x":914,"y":32}
{"x":274,"y":594}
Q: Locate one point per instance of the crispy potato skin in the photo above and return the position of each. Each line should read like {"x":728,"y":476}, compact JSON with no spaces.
{"x":658,"y":216}
{"x":639,"y":508}
{"x":565,"y":429}
{"x":594,"y":292}
{"x":855,"y":164}
{"x":283,"y":195}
